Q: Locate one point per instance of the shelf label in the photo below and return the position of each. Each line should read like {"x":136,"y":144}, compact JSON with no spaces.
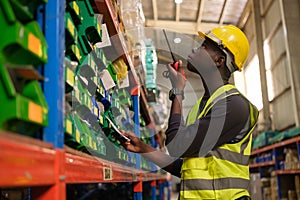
{"x":77,"y":94}
{"x":69,"y":126}
{"x":35,"y":112}
{"x":71,"y":27}
{"x":90,"y":142}
{"x":94,"y":145}
{"x":102,"y":91}
{"x":90,"y":103}
{"x":75,"y":7}
{"x":93,"y":65}
{"x":76,"y":52}
{"x":98,"y":28}
{"x":34,"y":45}
{"x":77,"y":136}
{"x":101,"y":119}
{"x":70,"y":76}
{"x":107,"y":173}
{"x":96,"y":111}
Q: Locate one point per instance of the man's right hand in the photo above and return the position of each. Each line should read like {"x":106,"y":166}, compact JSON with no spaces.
{"x":135,"y":144}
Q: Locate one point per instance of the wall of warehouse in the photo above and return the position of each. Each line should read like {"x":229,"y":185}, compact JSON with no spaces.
{"x":271,"y":76}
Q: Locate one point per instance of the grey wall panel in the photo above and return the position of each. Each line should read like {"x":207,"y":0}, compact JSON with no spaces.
{"x":292,"y":16}
{"x":276,"y":31}
{"x":279,"y":79}
{"x":250,"y":32}
{"x":265,"y":4}
{"x":272,"y":17}
{"x":276,"y":46}
{"x":282,"y":112}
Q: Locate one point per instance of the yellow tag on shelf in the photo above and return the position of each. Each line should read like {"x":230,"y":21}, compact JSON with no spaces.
{"x":76,"y":7}
{"x":71,"y":27}
{"x":96,"y":111}
{"x":77,"y":52}
{"x":100,"y":119}
{"x":90,"y":141}
{"x":93,"y":65}
{"x":94,"y":145}
{"x":77,"y":136}
{"x":104,"y":59}
{"x":101,"y":91}
{"x":77,"y":94}
{"x":69,"y":126}
{"x":35,"y":112}
{"x":90,"y":103}
{"x":70,"y":77}
{"x":98,"y":28}
{"x":34,"y":44}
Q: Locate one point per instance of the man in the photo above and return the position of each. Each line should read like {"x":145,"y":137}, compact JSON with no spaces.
{"x":213,"y":146}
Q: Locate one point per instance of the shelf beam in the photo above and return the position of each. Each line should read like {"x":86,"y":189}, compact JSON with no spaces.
{"x":256,"y":165}
{"x":30,"y":162}
{"x":25,"y":162}
{"x":276,"y":145}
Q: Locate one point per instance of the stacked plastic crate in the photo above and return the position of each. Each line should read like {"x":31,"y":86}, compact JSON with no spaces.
{"x":83,"y":114}
{"x":23,"y":51}
{"x":90,"y":100}
{"x":151,"y":64}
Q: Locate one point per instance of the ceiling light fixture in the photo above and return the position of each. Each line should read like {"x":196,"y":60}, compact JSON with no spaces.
{"x":178,"y":1}
{"x":177,"y":40}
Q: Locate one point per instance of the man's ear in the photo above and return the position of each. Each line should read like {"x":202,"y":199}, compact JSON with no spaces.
{"x":219,"y":60}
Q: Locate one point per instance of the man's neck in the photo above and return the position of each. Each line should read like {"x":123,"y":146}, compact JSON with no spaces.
{"x":211,"y":84}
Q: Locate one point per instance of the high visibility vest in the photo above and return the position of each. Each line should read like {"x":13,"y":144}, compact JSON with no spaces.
{"x":224,"y":172}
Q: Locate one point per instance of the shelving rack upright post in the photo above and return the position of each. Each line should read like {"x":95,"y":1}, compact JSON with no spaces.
{"x":54,"y":28}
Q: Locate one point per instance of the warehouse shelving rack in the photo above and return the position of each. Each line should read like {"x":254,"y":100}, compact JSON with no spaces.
{"x":47,"y":165}
{"x":274,"y":162}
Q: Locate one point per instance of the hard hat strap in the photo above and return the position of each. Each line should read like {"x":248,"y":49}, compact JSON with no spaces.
{"x":229,"y":61}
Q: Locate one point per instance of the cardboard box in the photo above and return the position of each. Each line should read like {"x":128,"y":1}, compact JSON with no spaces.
{"x":255,"y":186}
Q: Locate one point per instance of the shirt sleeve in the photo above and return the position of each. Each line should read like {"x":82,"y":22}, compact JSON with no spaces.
{"x":176,"y":168}
{"x":223,"y":123}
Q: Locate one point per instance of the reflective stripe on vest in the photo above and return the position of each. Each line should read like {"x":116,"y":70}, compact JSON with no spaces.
{"x":224,"y":172}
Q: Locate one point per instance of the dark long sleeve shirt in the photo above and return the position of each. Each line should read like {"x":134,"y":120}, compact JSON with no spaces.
{"x":223,"y":123}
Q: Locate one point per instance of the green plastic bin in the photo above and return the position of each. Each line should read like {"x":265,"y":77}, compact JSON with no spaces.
{"x":25,"y":9}
{"x":21,"y":44}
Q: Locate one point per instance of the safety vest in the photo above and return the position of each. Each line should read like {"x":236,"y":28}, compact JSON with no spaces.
{"x":224,"y":172}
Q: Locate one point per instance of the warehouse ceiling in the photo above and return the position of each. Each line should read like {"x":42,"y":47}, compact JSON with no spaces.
{"x":182,"y":21}
{"x":192,"y":15}
{"x":187,"y":18}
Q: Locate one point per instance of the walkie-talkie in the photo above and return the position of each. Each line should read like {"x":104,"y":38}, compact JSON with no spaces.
{"x":175,"y":64}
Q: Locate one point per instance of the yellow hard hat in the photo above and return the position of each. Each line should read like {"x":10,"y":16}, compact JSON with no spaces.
{"x":230,"y":38}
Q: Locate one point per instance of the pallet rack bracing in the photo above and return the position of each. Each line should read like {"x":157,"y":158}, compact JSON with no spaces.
{"x":48,"y":166}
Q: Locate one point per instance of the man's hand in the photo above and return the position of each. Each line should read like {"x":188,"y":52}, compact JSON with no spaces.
{"x":177,"y":78}
{"x":135,"y":144}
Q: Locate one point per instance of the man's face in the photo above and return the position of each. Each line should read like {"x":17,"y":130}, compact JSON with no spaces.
{"x":203,"y":57}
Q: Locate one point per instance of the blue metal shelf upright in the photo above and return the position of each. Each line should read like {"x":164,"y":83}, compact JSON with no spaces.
{"x":54,"y":71}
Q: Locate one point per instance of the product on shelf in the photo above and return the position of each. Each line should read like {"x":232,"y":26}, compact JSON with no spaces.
{"x":278,"y":162}
{"x":263,"y":139}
